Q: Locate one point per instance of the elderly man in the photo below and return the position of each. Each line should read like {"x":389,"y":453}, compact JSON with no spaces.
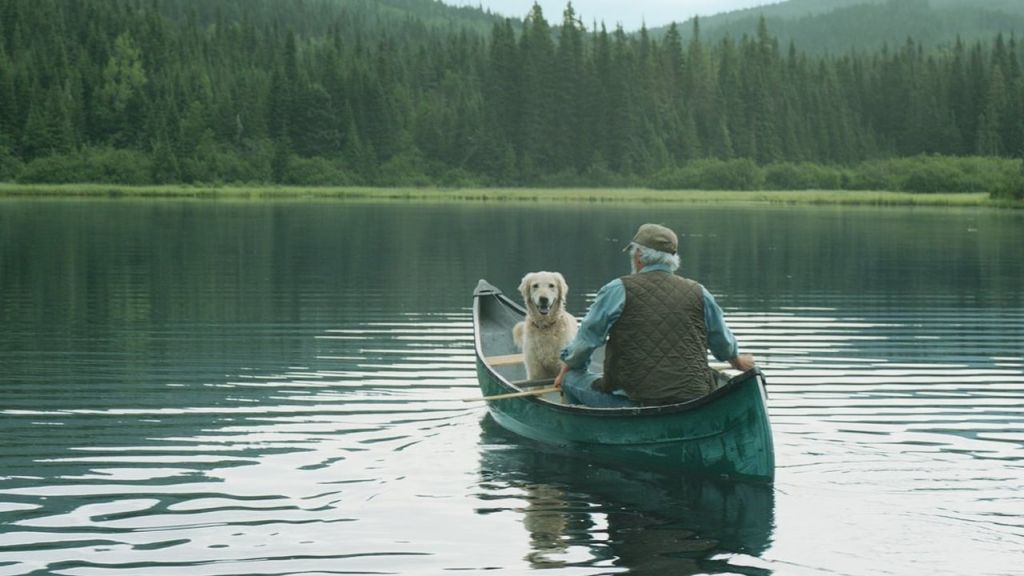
{"x":658,"y":327}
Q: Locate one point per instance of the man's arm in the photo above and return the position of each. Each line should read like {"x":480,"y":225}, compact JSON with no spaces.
{"x":720,"y":338}
{"x":594,"y":328}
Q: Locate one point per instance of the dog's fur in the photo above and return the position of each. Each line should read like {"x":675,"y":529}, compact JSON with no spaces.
{"x":548,"y":326}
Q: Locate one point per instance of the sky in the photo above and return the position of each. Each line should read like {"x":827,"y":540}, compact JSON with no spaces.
{"x":630,"y":13}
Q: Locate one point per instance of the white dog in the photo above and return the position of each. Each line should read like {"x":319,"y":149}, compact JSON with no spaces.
{"x":548,"y":326}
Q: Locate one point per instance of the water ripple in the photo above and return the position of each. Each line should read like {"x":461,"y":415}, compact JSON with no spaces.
{"x":270,"y":408}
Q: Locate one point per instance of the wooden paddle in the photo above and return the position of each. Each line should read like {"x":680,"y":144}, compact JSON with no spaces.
{"x":531,"y":392}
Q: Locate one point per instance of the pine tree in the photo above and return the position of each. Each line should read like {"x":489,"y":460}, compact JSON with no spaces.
{"x":48,"y":130}
{"x":313,"y":128}
{"x":571,"y":144}
{"x":735,"y":136}
{"x":537,"y":133}
{"x":165,"y":167}
{"x":990,"y":123}
{"x":281,"y":160}
{"x":764,"y":87}
{"x":121,"y":95}
{"x":8,"y":103}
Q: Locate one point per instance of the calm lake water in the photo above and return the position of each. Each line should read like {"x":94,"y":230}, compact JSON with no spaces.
{"x":206,"y":388}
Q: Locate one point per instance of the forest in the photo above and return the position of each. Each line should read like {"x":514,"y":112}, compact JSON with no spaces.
{"x":415,"y":93}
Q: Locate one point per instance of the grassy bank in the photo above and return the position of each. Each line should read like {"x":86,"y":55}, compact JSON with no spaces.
{"x":830,"y":197}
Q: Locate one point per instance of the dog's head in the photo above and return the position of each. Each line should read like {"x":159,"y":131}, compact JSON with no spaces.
{"x":543,"y":292}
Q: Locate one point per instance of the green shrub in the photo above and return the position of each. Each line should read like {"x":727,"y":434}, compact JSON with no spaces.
{"x":786,"y":176}
{"x":1012,"y":186}
{"x":932,"y":177}
{"x":459,"y":178}
{"x":673,"y":179}
{"x":828,"y":177}
{"x":711,"y":174}
{"x":9,"y":164}
{"x":741,"y":174}
{"x":567,"y":178}
{"x":930,"y":174}
{"x":872,"y":175}
{"x":407,"y":168}
{"x":99,"y":165}
{"x":315,"y":171}
{"x":52,"y":170}
{"x":212,"y":163}
{"x":981,"y":174}
{"x":598,"y":175}
{"x":1011,"y":189}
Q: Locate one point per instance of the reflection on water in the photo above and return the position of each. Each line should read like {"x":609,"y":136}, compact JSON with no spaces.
{"x":223,"y":389}
{"x":584,"y":514}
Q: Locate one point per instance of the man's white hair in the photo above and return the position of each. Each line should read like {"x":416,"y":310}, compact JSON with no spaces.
{"x":649,"y":256}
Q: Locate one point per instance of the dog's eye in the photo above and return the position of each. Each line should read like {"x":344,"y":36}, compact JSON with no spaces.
{"x":536,"y":285}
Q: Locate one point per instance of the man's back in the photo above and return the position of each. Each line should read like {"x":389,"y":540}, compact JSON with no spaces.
{"x":657,"y":349}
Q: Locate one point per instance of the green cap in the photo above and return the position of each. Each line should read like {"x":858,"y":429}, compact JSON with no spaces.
{"x":656,"y":237}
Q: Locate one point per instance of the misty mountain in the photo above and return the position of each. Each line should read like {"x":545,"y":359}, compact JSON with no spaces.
{"x":839,"y":26}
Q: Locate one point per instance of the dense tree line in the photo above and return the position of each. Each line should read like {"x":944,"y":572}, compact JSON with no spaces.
{"x":361,"y":92}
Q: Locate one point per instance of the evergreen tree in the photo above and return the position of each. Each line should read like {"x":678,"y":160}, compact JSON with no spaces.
{"x":8,"y":103}
{"x":121,"y":95}
{"x":48,"y":130}
{"x":571,"y":142}
{"x":537,"y":133}
{"x":990,"y":122}
{"x":503,"y":84}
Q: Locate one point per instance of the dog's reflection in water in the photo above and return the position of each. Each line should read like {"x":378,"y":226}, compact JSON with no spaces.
{"x":546,"y":519}
{"x":564,"y":532}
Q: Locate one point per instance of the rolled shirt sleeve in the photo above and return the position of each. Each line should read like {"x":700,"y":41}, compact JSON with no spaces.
{"x":720,"y":338}
{"x":594,"y":328}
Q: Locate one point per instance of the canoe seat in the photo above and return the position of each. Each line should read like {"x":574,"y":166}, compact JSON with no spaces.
{"x":506,"y":360}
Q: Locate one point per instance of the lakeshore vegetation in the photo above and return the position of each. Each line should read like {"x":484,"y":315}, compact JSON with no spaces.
{"x":412,"y":93}
{"x":518,"y":194}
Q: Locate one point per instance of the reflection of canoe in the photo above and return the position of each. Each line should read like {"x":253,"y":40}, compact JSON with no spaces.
{"x":724,"y":433}
{"x":645,"y":516}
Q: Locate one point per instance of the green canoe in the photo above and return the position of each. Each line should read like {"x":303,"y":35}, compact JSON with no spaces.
{"x":725,"y":433}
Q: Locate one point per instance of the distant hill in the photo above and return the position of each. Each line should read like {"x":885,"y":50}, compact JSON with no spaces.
{"x":839,"y":26}
{"x":312,"y":17}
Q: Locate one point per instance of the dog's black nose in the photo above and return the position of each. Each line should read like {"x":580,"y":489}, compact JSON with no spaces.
{"x":543,"y":301}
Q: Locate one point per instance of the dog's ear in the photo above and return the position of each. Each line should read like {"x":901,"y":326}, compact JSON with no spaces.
{"x":563,"y":287}
{"x":524,"y":286}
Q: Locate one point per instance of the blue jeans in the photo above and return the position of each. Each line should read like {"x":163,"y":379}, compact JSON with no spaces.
{"x":578,"y":389}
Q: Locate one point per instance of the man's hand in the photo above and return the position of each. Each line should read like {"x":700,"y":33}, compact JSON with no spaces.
{"x":743,"y":362}
{"x":561,"y":374}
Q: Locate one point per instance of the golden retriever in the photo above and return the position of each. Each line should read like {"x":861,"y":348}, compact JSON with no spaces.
{"x":548,"y":326}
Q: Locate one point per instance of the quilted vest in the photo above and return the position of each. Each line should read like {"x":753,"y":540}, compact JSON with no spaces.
{"x":657,"y":350}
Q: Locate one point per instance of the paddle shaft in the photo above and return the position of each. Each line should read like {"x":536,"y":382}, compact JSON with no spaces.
{"x":532,"y":392}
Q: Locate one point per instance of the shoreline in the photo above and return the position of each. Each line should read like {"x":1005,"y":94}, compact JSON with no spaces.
{"x":560,"y":195}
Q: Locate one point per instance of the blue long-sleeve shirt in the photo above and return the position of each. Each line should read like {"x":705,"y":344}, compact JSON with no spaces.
{"x":607,"y":307}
